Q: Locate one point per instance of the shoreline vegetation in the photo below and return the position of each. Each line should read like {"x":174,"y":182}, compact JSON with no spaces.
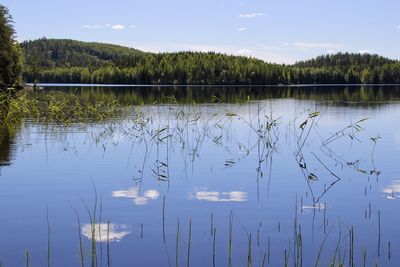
{"x":56,"y":107}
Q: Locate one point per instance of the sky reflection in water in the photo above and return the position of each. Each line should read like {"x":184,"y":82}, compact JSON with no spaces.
{"x":214,"y":164}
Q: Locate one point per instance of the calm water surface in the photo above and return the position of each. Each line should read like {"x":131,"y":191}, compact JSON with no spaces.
{"x":262,"y":175}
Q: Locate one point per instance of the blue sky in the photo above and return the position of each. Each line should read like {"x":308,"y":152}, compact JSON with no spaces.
{"x":281,"y":31}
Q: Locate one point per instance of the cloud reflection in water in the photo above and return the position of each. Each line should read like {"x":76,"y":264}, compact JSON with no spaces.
{"x":317,"y":206}
{"x":214,"y":196}
{"x":392,"y":191}
{"x":116,"y":233}
{"x":138,"y":198}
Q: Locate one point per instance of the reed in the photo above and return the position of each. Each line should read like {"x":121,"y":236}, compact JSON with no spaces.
{"x":163,"y":219}
{"x":81,"y":254}
{"x":177,"y":244}
{"x":189,"y":243}
{"x":249,"y":253}
{"x":230,"y":240}
{"x":379,"y":233}
{"x":214,"y":247}
{"x":56,"y":107}
{"x":48,"y":237}
{"x":108,"y":245}
{"x":27,"y":259}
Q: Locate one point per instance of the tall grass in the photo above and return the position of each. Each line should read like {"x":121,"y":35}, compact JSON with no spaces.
{"x":56,"y":107}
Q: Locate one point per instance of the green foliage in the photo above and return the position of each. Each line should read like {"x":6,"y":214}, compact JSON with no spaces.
{"x":10,"y":55}
{"x":56,"y":107}
{"x":56,"y":53}
{"x":349,"y":68}
{"x":68,"y":61}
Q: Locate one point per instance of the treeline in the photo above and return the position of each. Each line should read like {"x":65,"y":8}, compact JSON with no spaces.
{"x":349,"y":68}
{"x":68,"y":61}
{"x":167,"y":68}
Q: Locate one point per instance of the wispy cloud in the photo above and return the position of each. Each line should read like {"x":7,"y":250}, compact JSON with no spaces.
{"x":104,"y":26}
{"x":118,"y":27}
{"x":364,"y":51}
{"x":87,"y":26}
{"x":241,"y":29}
{"x":250,"y":15}
{"x":132,"y":27}
{"x":307,"y":45}
{"x":243,"y":51}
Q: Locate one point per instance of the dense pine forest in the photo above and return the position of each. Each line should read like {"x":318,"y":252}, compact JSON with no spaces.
{"x":69,"y":61}
{"x":78,"y":62}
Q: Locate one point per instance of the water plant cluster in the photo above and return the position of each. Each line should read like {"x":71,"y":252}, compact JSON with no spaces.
{"x":55,"y":107}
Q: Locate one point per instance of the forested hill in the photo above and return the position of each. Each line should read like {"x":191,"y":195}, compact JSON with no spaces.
{"x":50,"y":53}
{"x":68,"y":61}
{"x":345,"y":60}
{"x":352,"y":69}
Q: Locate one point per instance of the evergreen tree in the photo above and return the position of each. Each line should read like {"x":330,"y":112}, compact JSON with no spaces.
{"x":10,"y":55}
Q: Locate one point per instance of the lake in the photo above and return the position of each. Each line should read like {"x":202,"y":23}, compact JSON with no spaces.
{"x":208,"y":176}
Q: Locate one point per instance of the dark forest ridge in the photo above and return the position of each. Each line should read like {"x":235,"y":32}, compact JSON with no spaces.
{"x":70,"y":61}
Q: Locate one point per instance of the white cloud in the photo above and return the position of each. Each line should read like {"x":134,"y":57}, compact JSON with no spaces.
{"x":243,"y":51}
{"x":92,"y":26}
{"x":364,"y":51}
{"x":241,"y":29}
{"x":330,"y":51}
{"x":102,"y":26}
{"x":250,"y":15}
{"x":132,"y":27}
{"x":118,"y":27}
{"x":307,"y":45}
